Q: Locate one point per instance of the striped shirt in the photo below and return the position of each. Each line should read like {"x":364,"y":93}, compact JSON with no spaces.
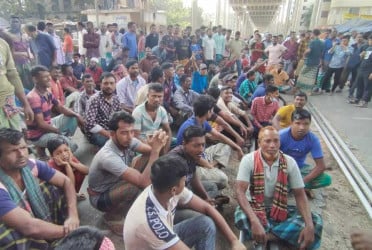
{"x":40,"y":104}
{"x":263,"y":112}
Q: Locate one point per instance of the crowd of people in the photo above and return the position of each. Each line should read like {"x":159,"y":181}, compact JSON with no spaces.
{"x":165,"y":112}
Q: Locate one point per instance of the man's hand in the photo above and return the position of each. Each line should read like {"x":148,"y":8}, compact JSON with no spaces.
{"x":240,"y":153}
{"x":306,"y":237}
{"x":237,"y":245}
{"x":158,"y":140}
{"x":258,"y":232}
{"x":370,"y":77}
{"x":250,"y":130}
{"x":29,"y":114}
{"x":239,"y":141}
{"x":80,"y":121}
{"x":59,"y":162}
{"x":71,"y":224}
{"x":361,"y":240}
{"x":243,"y":131}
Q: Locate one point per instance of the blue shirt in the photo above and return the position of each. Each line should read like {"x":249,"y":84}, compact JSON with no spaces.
{"x":130,"y":40}
{"x":260,"y":91}
{"x":43,"y":47}
{"x":199,"y":82}
{"x":328,"y":43}
{"x":191,"y":122}
{"x":240,"y":80}
{"x":299,"y":149}
{"x":339,"y":57}
{"x":196,"y":49}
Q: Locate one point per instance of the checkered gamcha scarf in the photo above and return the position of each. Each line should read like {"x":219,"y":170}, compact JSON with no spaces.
{"x":257,"y":190}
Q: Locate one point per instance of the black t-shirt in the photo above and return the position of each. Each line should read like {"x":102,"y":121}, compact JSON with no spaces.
{"x":366,"y":64}
{"x":183,"y":49}
{"x":169,"y":43}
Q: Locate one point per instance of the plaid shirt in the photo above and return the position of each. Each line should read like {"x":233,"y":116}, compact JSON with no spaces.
{"x":99,"y":110}
{"x":263,"y":112}
{"x":304,"y":44}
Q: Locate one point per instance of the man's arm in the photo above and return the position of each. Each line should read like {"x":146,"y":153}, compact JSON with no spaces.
{"x":229,"y":129}
{"x":227,"y":141}
{"x":179,"y":102}
{"x":168,"y":131}
{"x":62,"y":181}
{"x":201,"y":206}
{"x":315,"y":172}
{"x":257,"y":229}
{"x":68,"y":112}
{"x":42,"y":125}
{"x":142,"y":180}
{"x":198,"y":188}
{"x":307,"y":234}
{"x":276,"y":121}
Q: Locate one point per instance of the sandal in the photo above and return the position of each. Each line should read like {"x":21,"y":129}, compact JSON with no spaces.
{"x":115,"y":226}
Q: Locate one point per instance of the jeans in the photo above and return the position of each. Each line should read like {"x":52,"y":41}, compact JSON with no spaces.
{"x":364,"y":87}
{"x":98,"y":140}
{"x":327,"y":77}
{"x":239,"y":66}
{"x":198,"y":232}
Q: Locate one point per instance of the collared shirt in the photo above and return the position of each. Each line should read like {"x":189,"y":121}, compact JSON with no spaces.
{"x":78,"y":69}
{"x":339,"y":57}
{"x":263,"y":112}
{"x":291,"y":53}
{"x":81,"y":103}
{"x":109,"y":164}
{"x":40,"y":104}
{"x":57,"y":91}
{"x":152,"y":40}
{"x":236,"y":47}
{"x":93,"y":45}
{"x":43,"y":48}
{"x":184,"y":100}
{"x":127,"y":90}
{"x":144,"y":122}
{"x":129,"y":40}
{"x":209,"y":48}
{"x":219,"y":41}
{"x":275,"y":52}
{"x":69,"y":81}
{"x":98,"y":112}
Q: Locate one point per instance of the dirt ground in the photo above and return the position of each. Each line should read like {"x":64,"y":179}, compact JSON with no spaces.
{"x":340,"y":208}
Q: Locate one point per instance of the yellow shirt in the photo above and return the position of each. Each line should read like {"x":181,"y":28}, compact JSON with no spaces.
{"x":279,"y":78}
{"x":285,"y":114}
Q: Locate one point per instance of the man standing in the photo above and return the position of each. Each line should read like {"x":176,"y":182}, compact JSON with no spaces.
{"x":209,"y":48}
{"x":170,"y":44}
{"x":290,"y":56}
{"x":91,"y":41}
{"x":99,"y":109}
{"x":103,"y":44}
{"x":33,"y":212}
{"x":283,"y":117}
{"x":149,"y":222}
{"x":220,"y":42}
{"x":57,"y":43}
{"x":297,"y":141}
{"x":150,"y":116}
{"x":81,"y":49}
{"x":115,"y":178}
{"x":42,"y":46}
{"x":129,"y":40}
{"x":263,"y":213}
{"x":274,"y":53}
{"x":11,"y":85}
{"x":128,"y":87}
{"x":152,"y":39}
{"x":236,"y":46}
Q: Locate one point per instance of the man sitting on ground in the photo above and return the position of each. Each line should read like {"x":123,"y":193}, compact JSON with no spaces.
{"x":297,"y":141}
{"x":44,"y":127}
{"x":184,"y":97}
{"x":268,"y":79}
{"x":263,"y":213}
{"x":32,"y":215}
{"x":151,"y":116}
{"x":281,"y":78}
{"x":283,"y":117}
{"x":149,"y":223}
{"x":99,"y":109}
{"x":115,"y":179}
{"x":89,"y":90}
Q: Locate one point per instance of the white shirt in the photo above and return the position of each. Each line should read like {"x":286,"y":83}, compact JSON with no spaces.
{"x":209,"y":46}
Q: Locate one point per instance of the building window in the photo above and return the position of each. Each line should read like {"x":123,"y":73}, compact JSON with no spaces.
{"x":324,"y":14}
{"x":354,"y":10}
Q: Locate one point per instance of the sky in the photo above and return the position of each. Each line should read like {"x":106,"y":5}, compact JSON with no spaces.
{"x":208,"y":6}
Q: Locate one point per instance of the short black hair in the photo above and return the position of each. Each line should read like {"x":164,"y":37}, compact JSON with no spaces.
{"x":64,"y":68}
{"x":166,"y":65}
{"x":57,"y":67}
{"x":10,"y":136}
{"x":106,"y":75}
{"x":268,"y":77}
{"x":35,"y":71}
{"x":77,"y":54}
{"x":156,"y":87}
{"x":192,"y":132}
{"x":250,"y":73}
{"x":130,"y":24}
{"x":300,"y":94}
{"x":316,"y":32}
{"x":183,"y":78}
{"x":83,"y":238}
{"x":54,"y":143}
{"x":30,"y":28}
{"x":155,"y":74}
{"x":116,"y":117}
{"x":203,"y":104}
{"x":67,"y":30}
{"x":86,"y":76}
{"x":167,"y":171}
{"x":41,"y":25}
{"x":271,"y":89}
{"x":214,"y":92}
{"x":130,"y":63}
{"x":300,"y":114}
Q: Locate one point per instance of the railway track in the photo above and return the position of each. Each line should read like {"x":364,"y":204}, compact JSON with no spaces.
{"x":353,"y":170}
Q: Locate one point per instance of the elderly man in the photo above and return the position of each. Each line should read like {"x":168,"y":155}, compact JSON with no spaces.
{"x":297,"y":141}
{"x":263,"y":213}
{"x":283,"y":117}
{"x":32,"y":215}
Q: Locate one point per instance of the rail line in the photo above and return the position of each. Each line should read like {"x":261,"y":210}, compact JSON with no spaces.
{"x":353,"y":170}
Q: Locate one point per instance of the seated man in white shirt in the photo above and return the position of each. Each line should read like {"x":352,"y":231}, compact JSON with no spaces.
{"x":149,"y":224}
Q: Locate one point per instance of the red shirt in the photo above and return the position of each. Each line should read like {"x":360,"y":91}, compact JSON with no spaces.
{"x":96,"y":74}
{"x":69,"y":81}
{"x":263,"y":112}
{"x":57,"y":91}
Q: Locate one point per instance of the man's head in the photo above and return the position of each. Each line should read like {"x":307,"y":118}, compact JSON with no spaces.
{"x":133,"y":69}
{"x":345,"y":40}
{"x":93,"y":62}
{"x":300,"y":99}
{"x":209,"y":32}
{"x":168,"y":174}
{"x":13,"y":150}
{"x":132,"y":27}
{"x":40,"y":76}
{"x":301,"y":120}
{"x":237,"y":35}
{"x":55,"y":72}
{"x":180,"y":70}
{"x":88,"y":83}
{"x":226,"y":94}
{"x":168,"y":70}
{"x":41,"y":26}
{"x":185,"y":82}
{"x":268,"y":79}
{"x":76,"y":57}
{"x":108,"y":83}
{"x":50,"y":28}
{"x":269,"y":142}
{"x":271,"y":93}
{"x":230,"y":80}
{"x":31,"y":31}
{"x":316,"y":32}
{"x":90,"y":27}
{"x":157,"y":75}
{"x":293,"y":35}
{"x":155,"y":95}
{"x":359,"y":38}
{"x":80,"y":25}
{"x":214,"y":92}
{"x":203,"y":69}
{"x":275,"y":40}
{"x":15,"y":24}
{"x":170,"y":29}
{"x":194,"y":142}
{"x":203,"y":106}
{"x":251,"y":75}
{"x":268,"y":37}
{"x":121,"y":126}
{"x":66,"y":69}
{"x":153,"y":28}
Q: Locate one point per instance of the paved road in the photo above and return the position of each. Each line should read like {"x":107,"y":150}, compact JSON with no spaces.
{"x":353,"y":124}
